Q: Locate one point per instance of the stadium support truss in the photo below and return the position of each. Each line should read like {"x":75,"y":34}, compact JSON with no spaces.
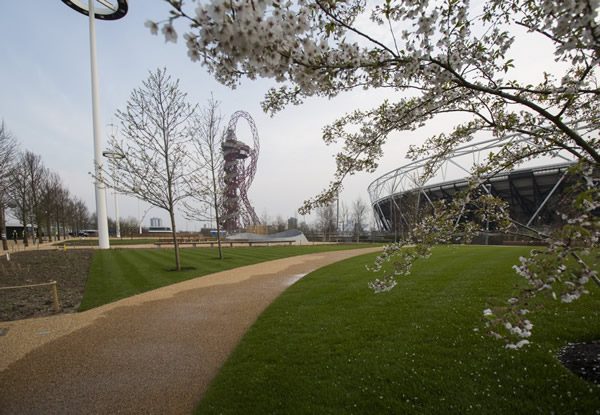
{"x":532,"y":193}
{"x":239,"y":168}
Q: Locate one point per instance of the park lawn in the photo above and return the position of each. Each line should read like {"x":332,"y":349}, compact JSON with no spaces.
{"x":120,"y":273}
{"x":328,"y":345}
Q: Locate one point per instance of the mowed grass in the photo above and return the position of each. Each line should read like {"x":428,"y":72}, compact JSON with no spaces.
{"x":328,"y":345}
{"x":120,"y":273}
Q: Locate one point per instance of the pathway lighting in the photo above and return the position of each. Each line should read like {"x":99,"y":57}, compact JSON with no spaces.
{"x":109,"y":10}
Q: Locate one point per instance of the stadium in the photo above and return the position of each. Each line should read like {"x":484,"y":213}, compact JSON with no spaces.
{"x":533,"y":193}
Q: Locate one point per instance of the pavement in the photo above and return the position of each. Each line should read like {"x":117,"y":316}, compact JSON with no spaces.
{"x":153,"y":353}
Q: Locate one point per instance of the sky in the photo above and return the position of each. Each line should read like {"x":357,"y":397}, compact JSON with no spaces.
{"x":46,"y":105}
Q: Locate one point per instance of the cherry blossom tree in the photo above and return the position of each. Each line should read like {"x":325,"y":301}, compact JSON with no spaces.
{"x":430,"y":58}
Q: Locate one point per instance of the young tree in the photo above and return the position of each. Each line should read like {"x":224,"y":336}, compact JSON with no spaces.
{"x":359,"y":213}
{"x":326,"y":220}
{"x":79,"y":216}
{"x":37,"y":175}
{"x":8,"y":154}
{"x":150,"y":162}
{"x":27,"y":182}
{"x":265,"y":217}
{"x":129,"y":226}
{"x":51,"y":199}
{"x":62,"y":199}
{"x":279,"y":224}
{"x":206,"y":162}
{"x":344,"y":217}
{"x":443,"y":57}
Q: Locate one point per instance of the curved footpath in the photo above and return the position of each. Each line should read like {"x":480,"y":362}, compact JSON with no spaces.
{"x":153,"y":353}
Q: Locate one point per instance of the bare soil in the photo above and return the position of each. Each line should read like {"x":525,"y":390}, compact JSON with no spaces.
{"x":69,"y":269}
{"x":583,"y":359}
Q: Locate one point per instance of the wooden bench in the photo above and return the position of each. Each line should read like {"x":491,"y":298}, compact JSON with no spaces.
{"x":213,"y":243}
{"x":185,"y":241}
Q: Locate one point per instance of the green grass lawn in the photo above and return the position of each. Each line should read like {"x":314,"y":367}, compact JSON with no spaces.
{"x":328,"y":345}
{"x":121,"y":273}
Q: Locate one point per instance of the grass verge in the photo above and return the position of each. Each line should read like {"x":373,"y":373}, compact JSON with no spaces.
{"x":328,"y":345}
{"x":120,"y":273}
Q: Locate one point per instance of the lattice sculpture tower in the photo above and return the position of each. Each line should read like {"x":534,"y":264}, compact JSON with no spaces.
{"x":239,"y":167}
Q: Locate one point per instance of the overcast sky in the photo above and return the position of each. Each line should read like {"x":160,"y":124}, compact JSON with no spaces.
{"x":46,"y":104}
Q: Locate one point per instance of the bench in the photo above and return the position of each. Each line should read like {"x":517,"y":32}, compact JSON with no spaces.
{"x":212,"y":243}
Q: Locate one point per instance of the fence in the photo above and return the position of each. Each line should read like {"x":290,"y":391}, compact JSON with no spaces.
{"x":55,"y":301}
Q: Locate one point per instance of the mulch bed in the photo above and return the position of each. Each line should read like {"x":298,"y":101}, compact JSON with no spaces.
{"x":68,"y":268}
{"x":583,"y":359}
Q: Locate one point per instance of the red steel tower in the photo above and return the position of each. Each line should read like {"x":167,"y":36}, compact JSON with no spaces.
{"x":239,"y":167}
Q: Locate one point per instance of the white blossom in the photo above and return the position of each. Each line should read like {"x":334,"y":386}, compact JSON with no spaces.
{"x":170,"y":34}
{"x":152,"y":26}
{"x":432,"y":59}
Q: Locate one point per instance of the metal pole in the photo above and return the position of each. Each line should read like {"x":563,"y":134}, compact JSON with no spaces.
{"x":337,"y":216}
{"x":101,"y":216}
{"x":548,"y":196}
{"x":140,"y":216}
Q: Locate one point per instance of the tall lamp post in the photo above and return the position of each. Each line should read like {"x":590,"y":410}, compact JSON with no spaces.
{"x":143,"y":215}
{"x":109,"y":11}
{"x":113,"y":155}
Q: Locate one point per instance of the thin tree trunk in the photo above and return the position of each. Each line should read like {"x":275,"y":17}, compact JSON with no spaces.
{"x":175,"y":242}
{"x":216,"y":206}
{"x":57,"y":225}
{"x":3,"y":228}
{"x":49,"y":228}
{"x":25,"y":239}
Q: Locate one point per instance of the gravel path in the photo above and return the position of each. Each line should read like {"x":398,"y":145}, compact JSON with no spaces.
{"x":154,"y":353}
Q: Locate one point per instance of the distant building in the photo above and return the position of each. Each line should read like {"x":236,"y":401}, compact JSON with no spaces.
{"x":156,"y":226}
{"x":292,"y":223}
{"x":258,"y":229}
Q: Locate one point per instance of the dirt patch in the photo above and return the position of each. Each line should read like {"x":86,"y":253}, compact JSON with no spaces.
{"x":69,"y":269}
{"x":583,"y":359}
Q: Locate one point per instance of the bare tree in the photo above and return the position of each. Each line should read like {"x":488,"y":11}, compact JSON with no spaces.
{"x":129,"y":226}
{"x":265,"y":218}
{"x":79,"y":215}
{"x":20,"y":196}
{"x":359,"y":211}
{"x":279,"y":223}
{"x":156,"y":127}
{"x":326,"y":220}
{"x":61,"y":210}
{"x":27,"y":181}
{"x":206,"y":162}
{"x":37,"y":175}
{"x":51,"y":195}
{"x":8,"y":153}
{"x":344,"y":216}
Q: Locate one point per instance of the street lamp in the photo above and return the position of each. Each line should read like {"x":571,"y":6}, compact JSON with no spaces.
{"x":143,"y":215}
{"x":109,"y":11}
{"x":113,"y":155}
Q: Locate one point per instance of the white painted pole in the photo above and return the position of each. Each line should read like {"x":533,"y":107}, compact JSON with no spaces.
{"x":101,"y":216}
